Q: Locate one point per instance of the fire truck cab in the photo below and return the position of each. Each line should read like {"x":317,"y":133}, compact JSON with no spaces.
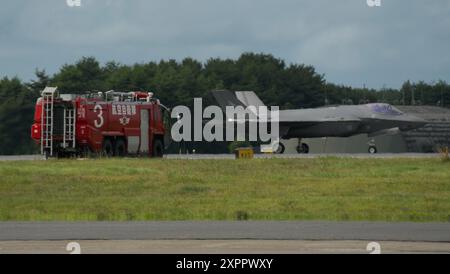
{"x":110,"y":123}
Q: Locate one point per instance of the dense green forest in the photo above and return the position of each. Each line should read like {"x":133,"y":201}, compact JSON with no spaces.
{"x":177,"y":83}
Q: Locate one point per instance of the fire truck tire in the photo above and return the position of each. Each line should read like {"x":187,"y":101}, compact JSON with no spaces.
{"x":108,"y":148}
{"x":158,"y":148}
{"x":120,"y":149}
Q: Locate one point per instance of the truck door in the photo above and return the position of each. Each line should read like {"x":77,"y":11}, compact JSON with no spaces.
{"x":98,"y":117}
{"x":144,"y":147}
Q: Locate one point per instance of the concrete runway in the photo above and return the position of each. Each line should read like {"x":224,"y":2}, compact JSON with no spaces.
{"x":219,"y":247}
{"x":224,"y":237}
{"x":258,"y":156}
{"x":216,"y":230}
{"x":21,"y":158}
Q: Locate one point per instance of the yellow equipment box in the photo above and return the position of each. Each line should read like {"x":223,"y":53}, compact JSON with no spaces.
{"x":244,"y":153}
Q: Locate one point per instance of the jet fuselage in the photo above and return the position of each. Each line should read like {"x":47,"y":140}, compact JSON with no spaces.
{"x":345,"y":121}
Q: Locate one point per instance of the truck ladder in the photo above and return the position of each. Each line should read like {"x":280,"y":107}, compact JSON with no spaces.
{"x":69,"y":128}
{"x":47,"y":121}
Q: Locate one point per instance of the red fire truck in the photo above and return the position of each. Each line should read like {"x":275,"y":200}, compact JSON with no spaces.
{"x":110,"y":123}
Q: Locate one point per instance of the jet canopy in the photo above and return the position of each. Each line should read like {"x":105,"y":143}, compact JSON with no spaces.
{"x":385,"y":109}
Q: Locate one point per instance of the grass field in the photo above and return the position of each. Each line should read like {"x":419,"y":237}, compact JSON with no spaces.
{"x":277,"y":189}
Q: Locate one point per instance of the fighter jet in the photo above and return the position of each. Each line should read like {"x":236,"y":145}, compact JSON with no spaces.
{"x":336,"y":121}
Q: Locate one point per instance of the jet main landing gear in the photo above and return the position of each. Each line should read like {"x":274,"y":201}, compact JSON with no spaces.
{"x":302,"y":148}
{"x":280,"y":148}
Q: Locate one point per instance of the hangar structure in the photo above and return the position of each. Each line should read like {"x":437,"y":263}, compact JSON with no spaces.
{"x":427,"y":139}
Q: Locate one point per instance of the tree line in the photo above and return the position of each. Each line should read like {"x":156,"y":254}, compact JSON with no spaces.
{"x":177,"y":83}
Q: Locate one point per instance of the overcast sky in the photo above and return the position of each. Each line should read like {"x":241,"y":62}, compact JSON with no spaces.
{"x":346,"y":40}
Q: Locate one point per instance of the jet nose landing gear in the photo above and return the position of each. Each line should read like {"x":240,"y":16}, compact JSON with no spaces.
{"x":372,"y":147}
{"x":373,"y":150}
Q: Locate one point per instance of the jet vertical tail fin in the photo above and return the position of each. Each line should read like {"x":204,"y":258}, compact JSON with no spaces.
{"x":226,"y":98}
{"x":249,"y":98}
{"x":239,"y":98}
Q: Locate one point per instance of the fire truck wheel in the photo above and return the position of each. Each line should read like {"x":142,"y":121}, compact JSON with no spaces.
{"x":120,"y":148}
{"x":108,"y":149}
{"x":158,"y":149}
